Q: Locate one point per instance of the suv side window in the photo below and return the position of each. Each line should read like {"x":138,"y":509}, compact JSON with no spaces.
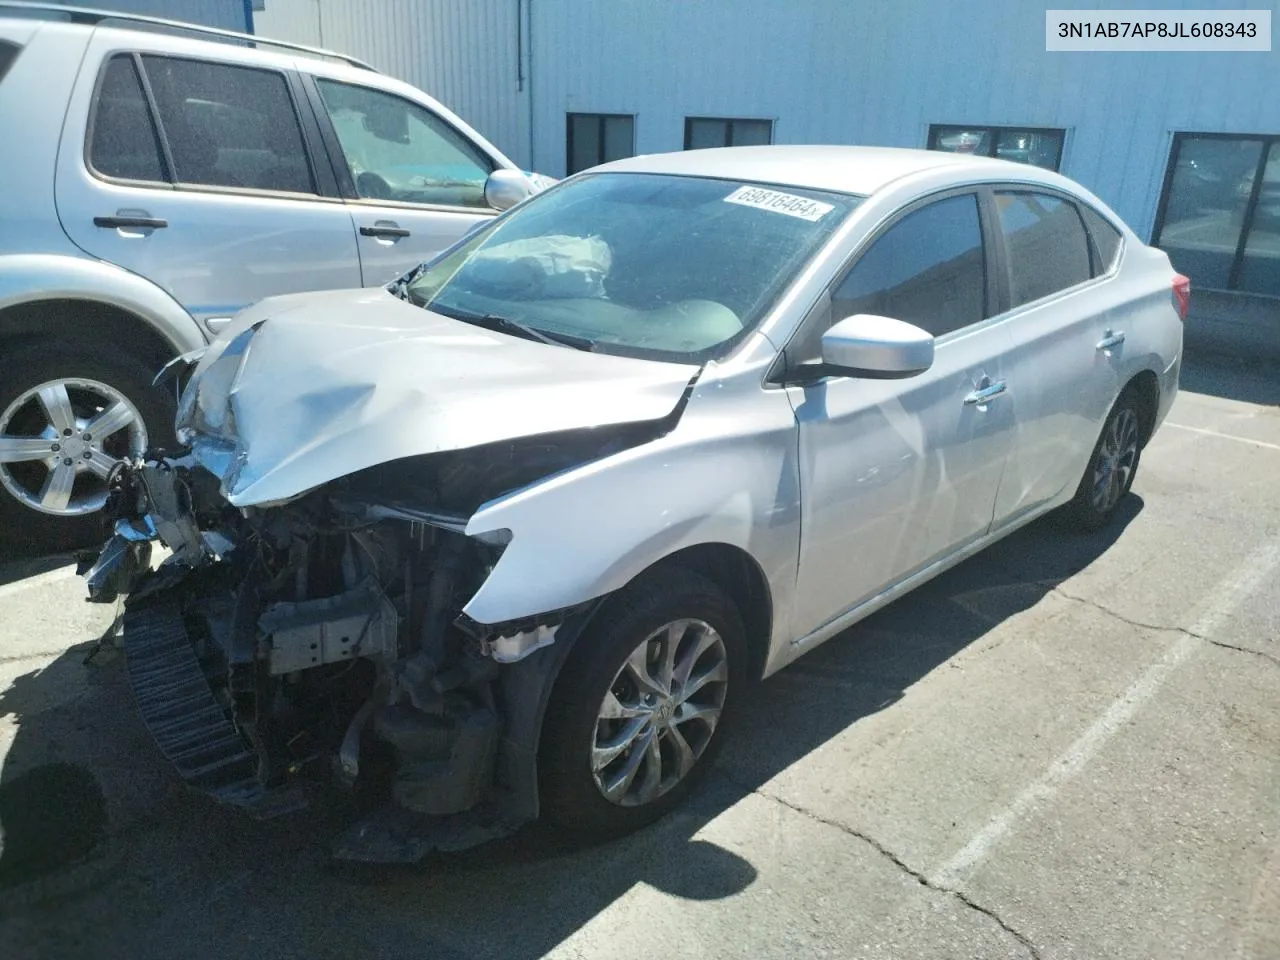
{"x":229,"y":126}
{"x":928,"y":269}
{"x":398,"y":150}
{"x":1106,"y":240}
{"x":122,"y":138}
{"x":1048,"y":248}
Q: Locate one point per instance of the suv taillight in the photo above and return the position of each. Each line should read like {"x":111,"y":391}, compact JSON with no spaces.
{"x":1182,"y":294}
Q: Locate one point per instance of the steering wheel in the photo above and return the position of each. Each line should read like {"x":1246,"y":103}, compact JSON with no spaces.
{"x":371,"y":186}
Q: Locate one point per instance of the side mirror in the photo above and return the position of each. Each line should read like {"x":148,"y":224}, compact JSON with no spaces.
{"x":505,"y":188}
{"x":878,"y":348}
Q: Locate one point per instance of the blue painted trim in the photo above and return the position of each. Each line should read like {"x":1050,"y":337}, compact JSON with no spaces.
{"x":248,"y":16}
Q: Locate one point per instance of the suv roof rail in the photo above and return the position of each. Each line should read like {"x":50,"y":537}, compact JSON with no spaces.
{"x":92,"y":17}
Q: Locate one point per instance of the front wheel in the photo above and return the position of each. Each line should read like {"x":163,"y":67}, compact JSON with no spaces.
{"x":67,"y":416}
{"x":1112,"y":466}
{"x":642,"y":706}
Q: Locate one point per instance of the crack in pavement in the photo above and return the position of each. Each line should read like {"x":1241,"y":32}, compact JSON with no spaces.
{"x":902,"y":865}
{"x":1271,"y":657}
{"x":1142,"y":625}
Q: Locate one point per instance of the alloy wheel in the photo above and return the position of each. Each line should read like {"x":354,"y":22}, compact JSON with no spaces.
{"x":1117,"y":456}
{"x":660,"y":712}
{"x":59,"y":441}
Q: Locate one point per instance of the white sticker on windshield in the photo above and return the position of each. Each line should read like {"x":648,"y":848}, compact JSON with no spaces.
{"x":778,"y":202}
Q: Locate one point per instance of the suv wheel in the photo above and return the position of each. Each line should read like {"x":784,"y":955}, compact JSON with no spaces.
{"x":66,"y":418}
{"x":642,"y":706}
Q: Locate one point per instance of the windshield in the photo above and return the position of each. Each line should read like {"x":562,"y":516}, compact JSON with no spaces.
{"x":644,"y":265}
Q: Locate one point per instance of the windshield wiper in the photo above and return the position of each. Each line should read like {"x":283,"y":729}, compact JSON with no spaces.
{"x":493,"y":321}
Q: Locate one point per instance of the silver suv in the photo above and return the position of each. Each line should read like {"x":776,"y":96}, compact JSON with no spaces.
{"x":159,"y":177}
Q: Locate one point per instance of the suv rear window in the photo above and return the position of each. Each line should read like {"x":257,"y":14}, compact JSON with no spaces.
{"x":8,"y":53}
{"x":229,"y":126}
{"x":122,"y":138}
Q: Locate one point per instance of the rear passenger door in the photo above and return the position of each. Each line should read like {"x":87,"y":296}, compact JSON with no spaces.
{"x":196,"y":174}
{"x":414,"y":182}
{"x":1063,"y":345}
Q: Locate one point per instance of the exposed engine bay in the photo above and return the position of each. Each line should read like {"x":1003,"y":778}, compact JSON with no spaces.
{"x":322,"y":640}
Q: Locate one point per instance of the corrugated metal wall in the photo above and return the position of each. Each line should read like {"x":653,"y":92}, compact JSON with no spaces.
{"x":227,"y":14}
{"x":880,"y":71}
{"x":830,"y":71}
{"x":462,"y":52}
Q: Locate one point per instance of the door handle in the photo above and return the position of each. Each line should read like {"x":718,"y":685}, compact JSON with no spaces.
{"x":388,"y":231}
{"x":155,"y":223}
{"x":983,"y":394}
{"x":1110,"y":340}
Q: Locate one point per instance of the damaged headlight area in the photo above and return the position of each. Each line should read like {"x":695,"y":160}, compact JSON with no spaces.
{"x":323,"y":640}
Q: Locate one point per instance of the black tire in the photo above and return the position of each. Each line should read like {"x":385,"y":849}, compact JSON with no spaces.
{"x":1088,"y":510}
{"x":24,"y":529}
{"x":570,"y":797}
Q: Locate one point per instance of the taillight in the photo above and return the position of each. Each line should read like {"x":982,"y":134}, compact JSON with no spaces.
{"x":1182,"y":294}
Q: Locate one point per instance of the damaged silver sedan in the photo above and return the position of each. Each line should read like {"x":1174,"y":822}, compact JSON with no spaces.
{"x":512,"y":537}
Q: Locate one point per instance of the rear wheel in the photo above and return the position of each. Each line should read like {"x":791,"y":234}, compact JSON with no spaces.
{"x":67,"y":417}
{"x":641,"y":707}
{"x":1112,"y":466}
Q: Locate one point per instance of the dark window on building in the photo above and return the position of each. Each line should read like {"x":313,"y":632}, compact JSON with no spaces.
{"x":1106,"y":240}
{"x":596,"y":138}
{"x":1040,"y":146}
{"x":702,"y":132}
{"x":229,"y":126}
{"x":1048,"y":248}
{"x":122,"y":137}
{"x":1220,"y":211}
{"x":927,"y":269}
{"x":8,"y":53}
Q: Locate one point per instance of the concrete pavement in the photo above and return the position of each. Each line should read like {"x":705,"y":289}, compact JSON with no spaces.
{"x":1066,"y":747}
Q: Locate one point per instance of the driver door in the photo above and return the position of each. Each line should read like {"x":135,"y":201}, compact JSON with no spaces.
{"x":413,"y":182}
{"x":899,"y":474}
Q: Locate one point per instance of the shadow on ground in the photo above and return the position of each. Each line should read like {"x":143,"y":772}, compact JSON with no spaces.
{"x":188,"y":878}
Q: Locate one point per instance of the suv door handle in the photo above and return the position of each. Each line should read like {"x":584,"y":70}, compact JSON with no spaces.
{"x":387,"y":231}
{"x":983,"y":394}
{"x":155,"y":223}
{"x":1110,"y":340}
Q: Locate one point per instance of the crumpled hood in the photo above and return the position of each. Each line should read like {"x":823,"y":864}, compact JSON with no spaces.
{"x":307,"y":388}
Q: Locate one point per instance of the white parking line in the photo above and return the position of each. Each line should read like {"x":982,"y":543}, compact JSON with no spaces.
{"x":1224,"y":436}
{"x":39,"y":580}
{"x":1225,"y":598}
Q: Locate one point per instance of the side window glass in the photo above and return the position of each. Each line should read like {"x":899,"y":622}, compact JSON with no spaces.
{"x":122,"y":138}
{"x":229,"y":126}
{"x":1048,"y":248}
{"x":927,"y":269}
{"x":398,"y":150}
{"x":1106,"y":240}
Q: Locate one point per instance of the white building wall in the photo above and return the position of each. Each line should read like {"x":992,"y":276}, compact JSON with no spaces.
{"x":462,"y":52}
{"x":881,"y":71}
{"x":826,"y":71}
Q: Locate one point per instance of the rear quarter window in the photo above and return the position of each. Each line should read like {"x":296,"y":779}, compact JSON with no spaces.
{"x":1106,"y":240}
{"x":8,"y":53}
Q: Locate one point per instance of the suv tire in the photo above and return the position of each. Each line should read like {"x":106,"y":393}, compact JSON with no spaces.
{"x":53,"y":393}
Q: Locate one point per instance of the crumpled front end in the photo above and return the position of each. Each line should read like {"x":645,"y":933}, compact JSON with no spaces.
{"x":323,"y":641}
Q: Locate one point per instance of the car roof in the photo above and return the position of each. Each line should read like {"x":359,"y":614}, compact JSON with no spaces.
{"x":842,"y":169}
